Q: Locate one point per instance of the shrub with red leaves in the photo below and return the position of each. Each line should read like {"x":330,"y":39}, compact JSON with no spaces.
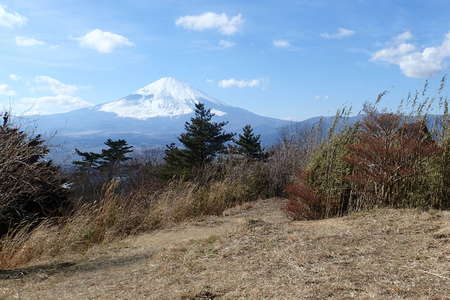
{"x":389,"y":159}
{"x":306,"y":204}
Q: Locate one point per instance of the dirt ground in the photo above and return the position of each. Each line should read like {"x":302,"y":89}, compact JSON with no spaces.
{"x":254,"y":252}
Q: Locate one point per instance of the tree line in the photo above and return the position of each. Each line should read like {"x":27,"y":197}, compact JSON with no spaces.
{"x":33,"y":188}
{"x":202,"y":142}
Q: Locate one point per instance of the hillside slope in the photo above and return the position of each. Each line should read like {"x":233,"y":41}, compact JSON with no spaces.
{"x":254,"y":252}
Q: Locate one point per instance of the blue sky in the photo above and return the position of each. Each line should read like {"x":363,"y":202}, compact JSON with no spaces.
{"x":286,"y":59}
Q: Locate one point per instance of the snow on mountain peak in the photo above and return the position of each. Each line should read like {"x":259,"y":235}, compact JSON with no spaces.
{"x":172,"y":87}
{"x":166,"y":97}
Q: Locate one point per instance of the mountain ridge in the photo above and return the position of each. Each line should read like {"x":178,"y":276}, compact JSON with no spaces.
{"x":149,"y":117}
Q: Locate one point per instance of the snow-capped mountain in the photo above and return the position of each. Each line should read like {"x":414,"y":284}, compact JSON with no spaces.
{"x":152,"y":116}
{"x":166,"y":97}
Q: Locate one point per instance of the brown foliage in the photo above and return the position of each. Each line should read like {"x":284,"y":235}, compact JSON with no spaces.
{"x":307,"y":204}
{"x":388,"y":159}
{"x":30,"y":187}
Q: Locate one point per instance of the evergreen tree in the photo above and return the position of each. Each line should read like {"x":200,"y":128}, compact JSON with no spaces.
{"x":202,"y":141}
{"x":249,"y":144}
{"x":176,"y":161}
{"x":89,"y":160}
{"x":115,"y":154}
{"x":108,"y":160}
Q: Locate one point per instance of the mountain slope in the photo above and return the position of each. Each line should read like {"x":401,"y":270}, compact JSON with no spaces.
{"x":166,"y":97}
{"x":150,"y":117}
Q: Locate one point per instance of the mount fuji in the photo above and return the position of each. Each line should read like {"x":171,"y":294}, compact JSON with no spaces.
{"x":152,"y":116}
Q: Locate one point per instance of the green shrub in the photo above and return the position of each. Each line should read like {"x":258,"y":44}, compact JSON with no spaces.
{"x":438,"y":178}
{"x":327,"y":171}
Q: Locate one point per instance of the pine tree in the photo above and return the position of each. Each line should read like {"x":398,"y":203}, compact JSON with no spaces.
{"x":202,"y":141}
{"x":89,"y":160}
{"x":108,"y":160}
{"x":249,"y":144}
{"x":176,"y":161}
{"x":115,"y":154}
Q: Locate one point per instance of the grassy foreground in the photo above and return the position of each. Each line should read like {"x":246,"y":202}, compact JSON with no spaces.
{"x":255,"y":252}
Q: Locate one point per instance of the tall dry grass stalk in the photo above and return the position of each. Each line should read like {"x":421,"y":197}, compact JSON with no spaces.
{"x":388,"y":159}
{"x":118,"y":214}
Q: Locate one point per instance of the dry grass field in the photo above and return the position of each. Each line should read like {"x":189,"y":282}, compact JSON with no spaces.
{"x":255,"y":252}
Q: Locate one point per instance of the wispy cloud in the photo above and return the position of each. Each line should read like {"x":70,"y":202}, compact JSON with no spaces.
{"x":103,"y":41}
{"x":11,"y":19}
{"x":55,"y":86}
{"x":62,"y":99}
{"x":209,"y":20}
{"x":50,"y":104}
{"x":405,"y":36}
{"x":23,"y":41}
{"x":340,"y":34}
{"x":227,"y":83}
{"x":281,"y":43}
{"x":14,"y":77}
{"x":412,"y":62}
{"x":6,"y":91}
{"x":226,"y":44}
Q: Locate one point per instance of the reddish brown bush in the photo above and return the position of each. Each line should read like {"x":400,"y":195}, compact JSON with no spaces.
{"x":304,"y":203}
{"x":388,"y":160}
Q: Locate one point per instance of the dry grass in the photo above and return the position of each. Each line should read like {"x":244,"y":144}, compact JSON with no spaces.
{"x":255,"y":252}
{"x":118,"y":216}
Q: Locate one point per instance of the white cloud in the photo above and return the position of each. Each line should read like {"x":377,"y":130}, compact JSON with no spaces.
{"x":209,"y":20}
{"x":321,"y":97}
{"x":6,"y":91}
{"x":49,"y":105}
{"x":61,"y":101}
{"x":14,"y":77}
{"x":102,"y":41}
{"x":226,"y":44}
{"x":55,"y":86}
{"x":416,"y":63}
{"x":11,"y":19}
{"x":227,"y":83}
{"x":340,"y":34}
{"x":407,"y":35}
{"x":281,"y":43}
{"x":23,"y":41}
{"x":391,"y":54}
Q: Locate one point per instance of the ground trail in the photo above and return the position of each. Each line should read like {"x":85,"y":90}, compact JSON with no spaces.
{"x":255,"y":252}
